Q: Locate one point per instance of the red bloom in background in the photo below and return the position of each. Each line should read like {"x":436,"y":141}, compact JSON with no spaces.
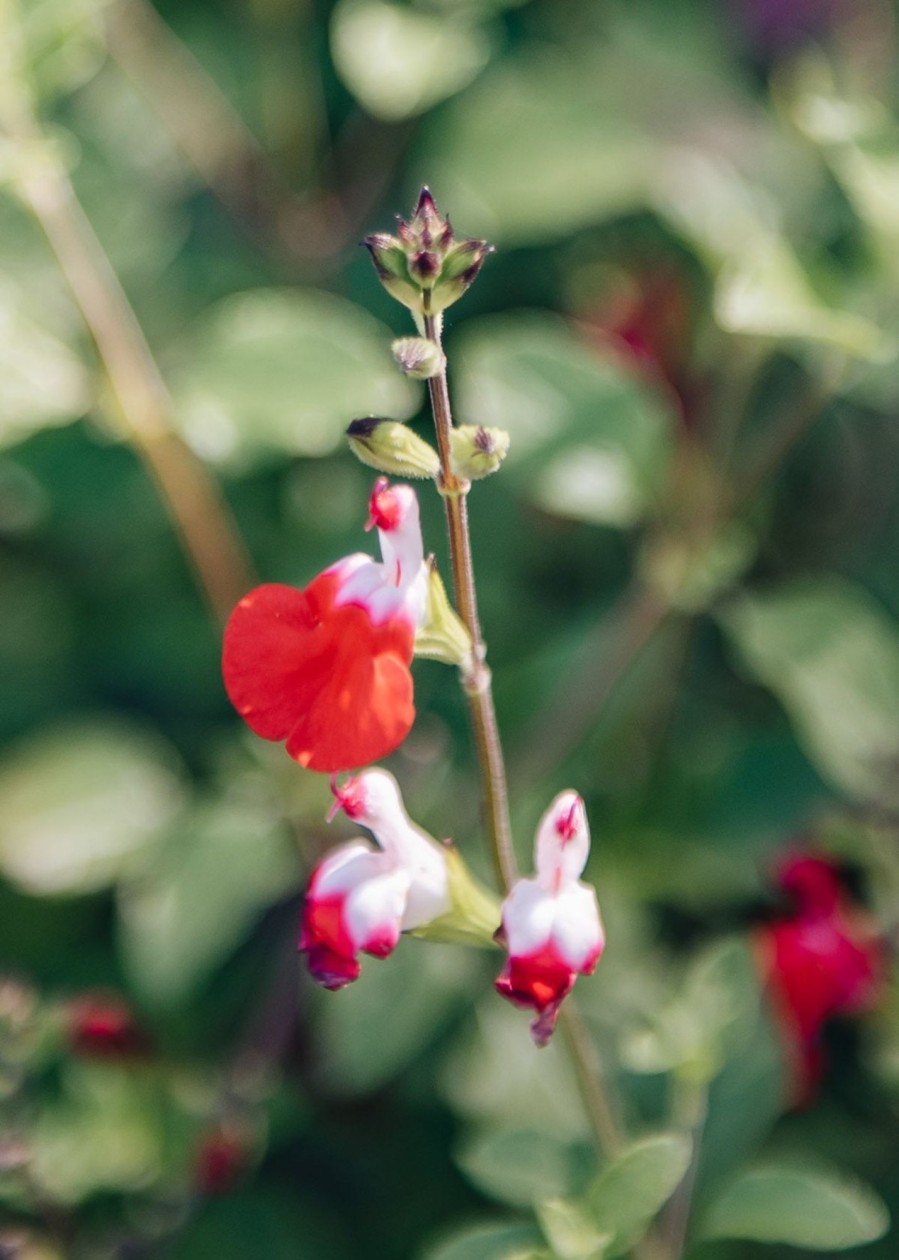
{"x":822,"y":959}
{"x":101,"y":1025}
{"x":326,"y":668}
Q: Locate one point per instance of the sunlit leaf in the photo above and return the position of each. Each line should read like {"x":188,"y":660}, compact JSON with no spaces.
{"x":571,"y":1231}
{"x":590,"y":440}
{"x":399,"y":61}
{"x":635,"y":1185}
{"x":79,"y":804}
{"x":804,"y":1207}
{"x":42,"y":381}
{"x":283,"y":371}
{"x":830,"y":654}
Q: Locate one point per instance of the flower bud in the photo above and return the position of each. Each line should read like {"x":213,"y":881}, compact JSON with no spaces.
{"x":477,"y":452}
{"x":424,"y":266}
{"x":443,"y":636}
{"x":418,"y":357}
{"x":391,"y":447}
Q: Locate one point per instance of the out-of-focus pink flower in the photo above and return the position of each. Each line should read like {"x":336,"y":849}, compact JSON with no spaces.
{"x":102,"y":1025}
{"x":326,"y":668}
{"x":361,"y":898}
{"x":823,"y":958}
{"x":550,"y":924}
{"x":221,"y":1157}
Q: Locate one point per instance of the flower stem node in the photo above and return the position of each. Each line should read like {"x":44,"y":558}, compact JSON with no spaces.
{"x":391,"y":447}
{"x":443,"y":636}
{"x":418,"y":357}
{"x":476,"y":451}
{"x":424,"y":266}
{"x":551,"y":925}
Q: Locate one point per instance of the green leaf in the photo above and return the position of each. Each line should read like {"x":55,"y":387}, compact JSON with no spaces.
{"x":570,"y":1230}
{"x":277,"y":370}
{"x":199,"y":895}
{"x":399,"y":61}
{"x":804,"y":1207}
{"x":43,"y":382}
{"x":520,"y":1166}
{"x":377,"y":1027}
{"x":81,"y":803}
{"x":503,"y":1241}
{"x":591,"y":442}
{"x":630,"y":1191}
{"x":830,"y":654}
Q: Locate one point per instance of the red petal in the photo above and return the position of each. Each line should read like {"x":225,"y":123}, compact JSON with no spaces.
{"x":538,"y":981}
{"x":322,"y":677}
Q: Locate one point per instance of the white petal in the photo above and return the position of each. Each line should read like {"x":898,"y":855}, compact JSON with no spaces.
{"x":563,"y":841}
{"x":345,"y":867}
{"x":376,"y":905}
{"x":578,"y":931}
{"x":529,"y":914}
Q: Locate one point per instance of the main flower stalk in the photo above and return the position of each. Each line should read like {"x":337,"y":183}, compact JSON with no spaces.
{"x":476,"y":679}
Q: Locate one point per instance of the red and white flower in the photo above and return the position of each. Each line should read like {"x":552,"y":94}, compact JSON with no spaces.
{"x":360,"y":898}
{"x":326,"y":668}
{"x":551,"y":924}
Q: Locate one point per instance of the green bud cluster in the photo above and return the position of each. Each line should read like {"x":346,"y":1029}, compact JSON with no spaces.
{"x":424,"y":266}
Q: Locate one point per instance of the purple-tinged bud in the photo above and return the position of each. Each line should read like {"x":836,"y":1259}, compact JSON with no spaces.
{"x":418,"y":357}
{"x":477,"y":451}
{"x":391,"y":447}
{"x":423,"y":266}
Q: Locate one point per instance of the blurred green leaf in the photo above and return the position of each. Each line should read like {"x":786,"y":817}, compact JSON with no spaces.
{"x":105,"y":1132}
{"x":399,"y":61}
{"x":199,"y":894}
{"x":520,"y":1166}
{"x":283,"y":371}
{"x":831,"y":656}
{"x":805,"y":1207}
{"x":570,"y":1231}
{"x":635,"y":1185}
{"x":489,"y":1242}
{"x":79,"y":804}
{"x":381,"y":1024}
{"x":42,"y":382}
{"x":590,"y":440}
{"x":63,"y":42}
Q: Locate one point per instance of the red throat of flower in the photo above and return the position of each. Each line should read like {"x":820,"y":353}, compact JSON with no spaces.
{"x":385,"y":510}
{"x":350,"y":798}
{"x":566,"y":824}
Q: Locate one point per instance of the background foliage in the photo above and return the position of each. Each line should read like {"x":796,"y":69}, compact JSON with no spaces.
{"x":687,"y":571}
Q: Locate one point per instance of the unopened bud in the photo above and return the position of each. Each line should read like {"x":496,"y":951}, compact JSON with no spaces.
{"x":443,"y":637}
{"x":477,"y":452}
{"x":418,"y":357}
{"x":475,"y":912}
{"x":424,"y":266}
{"x":391,"y":447}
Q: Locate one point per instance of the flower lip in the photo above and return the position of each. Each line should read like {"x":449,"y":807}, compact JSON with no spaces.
{"x":567,"y":823}
{"x":351,"y":798}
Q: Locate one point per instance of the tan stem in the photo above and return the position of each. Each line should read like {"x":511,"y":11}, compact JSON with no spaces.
{"x":195,"y":505}
{"x":478,"y":688}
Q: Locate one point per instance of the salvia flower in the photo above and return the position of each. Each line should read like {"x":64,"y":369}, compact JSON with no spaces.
{"x":821,"y":959}
{"x":326,"y":668}
{"x":360,"y":898}
{"x":424,"y":266}
{"x":551,"y":925}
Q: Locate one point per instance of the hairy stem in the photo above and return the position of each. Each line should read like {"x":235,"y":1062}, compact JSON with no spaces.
{"x":477,"y":682}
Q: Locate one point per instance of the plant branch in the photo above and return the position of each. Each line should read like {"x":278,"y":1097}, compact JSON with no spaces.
{"x":195,"y":505}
